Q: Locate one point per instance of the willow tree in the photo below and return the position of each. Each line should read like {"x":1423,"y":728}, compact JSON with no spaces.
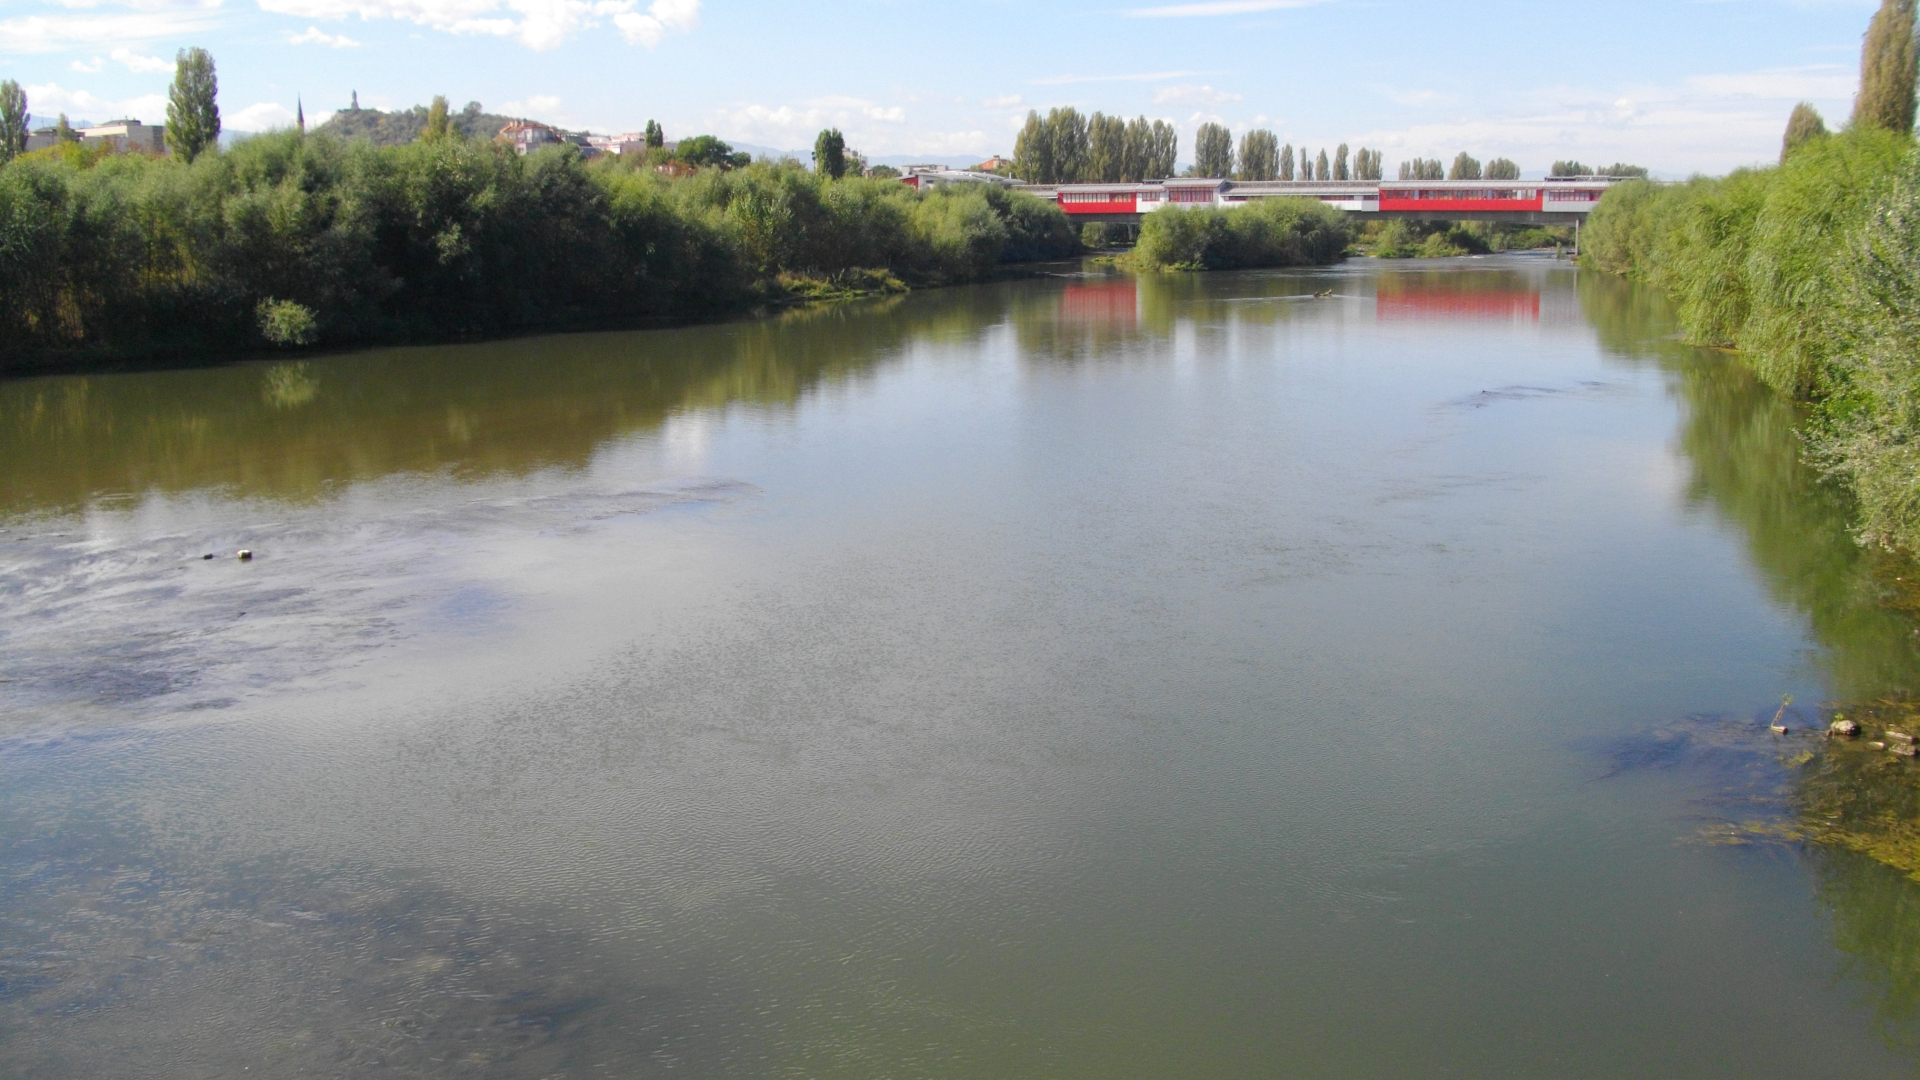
{"x":1887,"y":58}
{"x":1213,"y":151}
{"x":1803,"y":127}
{"x":1502,"y":169}
{"x":193,"y":111}
{"x":13,"y":121}
{"x":1465,"y":167}
{"x":1259,"y":155}
{"x":830,"y":154}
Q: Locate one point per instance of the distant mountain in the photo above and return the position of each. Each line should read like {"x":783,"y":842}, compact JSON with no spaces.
{"x":405,"y":125}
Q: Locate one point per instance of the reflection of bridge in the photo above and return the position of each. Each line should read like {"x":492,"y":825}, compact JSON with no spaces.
{"x":1530,"y":202}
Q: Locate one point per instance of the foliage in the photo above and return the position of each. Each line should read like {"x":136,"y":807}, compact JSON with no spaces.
{"x":1367,"y":164}
{"x":193,"y":112}
{"x":1423,"y":169}
{"x":408,"y":125}
{"x":706,"y":151}
{"x":1887,"y":71}
{"x":655,"y":136}
{"x":1340,"y":163}
{"x":1265,"y":232}
{"x":830,"y":154}
{"x":1465,"y":167}
{"x":1502,"y":169}
{"x":284,"y":322}
{"x":1260,"y":156}
{"x":1064,"y":147}
{"x":1803,"y":126}
{"x":127,"y":256}
{"x":1321,"y":171}
{"x":1286,"y":162}
{"x":438,"y":127}
{"x":1213,"y":151}
{"x":13,"y":121}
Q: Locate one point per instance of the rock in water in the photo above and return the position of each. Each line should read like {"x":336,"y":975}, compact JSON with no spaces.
{"x":246,"y":555}
{"x":1902,"y":749}
{"x":1844,"y":728}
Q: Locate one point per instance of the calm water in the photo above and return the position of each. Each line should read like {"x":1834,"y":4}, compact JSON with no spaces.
{"x":1068,"y":678}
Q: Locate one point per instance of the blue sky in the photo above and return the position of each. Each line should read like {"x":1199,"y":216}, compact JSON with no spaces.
{"x":1678,"y":86}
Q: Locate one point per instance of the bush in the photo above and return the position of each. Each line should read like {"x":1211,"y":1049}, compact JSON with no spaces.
{"x":1268,"y":232}
{"x":284,"y":322}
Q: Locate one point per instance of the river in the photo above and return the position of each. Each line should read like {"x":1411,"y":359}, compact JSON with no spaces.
{"x":1081,"y":677}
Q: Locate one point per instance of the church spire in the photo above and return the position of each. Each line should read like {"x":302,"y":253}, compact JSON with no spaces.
{"x":299,"y":115}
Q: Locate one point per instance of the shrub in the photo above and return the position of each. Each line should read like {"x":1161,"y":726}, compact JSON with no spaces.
{"x":284,"y":322}
{"x":1268,"y":232}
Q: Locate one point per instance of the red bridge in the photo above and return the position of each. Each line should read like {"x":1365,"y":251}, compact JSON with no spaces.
{"x":1533,"y":202}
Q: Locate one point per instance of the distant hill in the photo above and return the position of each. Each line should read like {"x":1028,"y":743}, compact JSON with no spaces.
{"x":405,"y":125}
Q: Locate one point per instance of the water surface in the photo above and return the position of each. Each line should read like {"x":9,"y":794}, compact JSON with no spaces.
{"x":1083,"y":677}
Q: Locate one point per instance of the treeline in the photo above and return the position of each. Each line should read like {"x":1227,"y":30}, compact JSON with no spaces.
{"x":1065,"y":147}
{"x":401,"y":126}
{"x":292,"y":239}
{"x":1261,"y":156}
{"x":1465,"y":167}
{"x":1811,"y":268}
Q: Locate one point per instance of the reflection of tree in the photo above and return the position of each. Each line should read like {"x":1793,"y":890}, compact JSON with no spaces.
{"x":1858,"y":805}
{"x":291,"y":431}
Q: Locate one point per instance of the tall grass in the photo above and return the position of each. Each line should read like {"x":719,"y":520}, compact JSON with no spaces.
{"x":1266,"y":232}
{"x":1800,"y":267}
{"x":135,"y":257}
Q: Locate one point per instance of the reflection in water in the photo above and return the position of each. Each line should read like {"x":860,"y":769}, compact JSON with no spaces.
{"x":1860,"y":806}
{"x":1505,"y":296}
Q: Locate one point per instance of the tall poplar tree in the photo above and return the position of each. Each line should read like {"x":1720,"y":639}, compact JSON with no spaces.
{"x":1106,"y":149}
{"x":1259,"y":156}
{"x":1166,"y":150}
{"x":438,"y":126}
{"x":1320,"y":169}
{"x":1033,"y":151}
{"x":13,"y":121}
{"x":1465,"y":167}
{"x":193,"y":112}
{"x":1887,"y":58}
{"x":1213,"y":151}
{"x":1803,"y":126}
{"x":1067,"y":136}
{"x":830,"y":154}
{"x":1502,"y":169}
{"x":655,"y":135}
{"x":1340,"y":163}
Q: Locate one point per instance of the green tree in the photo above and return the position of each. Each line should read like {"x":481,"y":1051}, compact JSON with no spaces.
{"x":1367,"y":164}
{"x":1503,"y":169}
{"x":1033,"y":151}
{"x":1067,"y":133}
{"x":63,"y":131}
{"x":193,"y":113}
{"x":1803,"y":126}
{"x":1569,"y":168}
{"x":1465,"y":167}
{"x":705,"y":150}
{"x":830,"y":154}
{"x":1322,"y":170}
{"x":1166,"y":150}
{"x":13,"y":120}
{"x":655,"y":136}
{"x":1340,"y":170}
{"x":1887,"y":58}
{"x":1213,"y":151}
{"x":1106,"y":149}
{"x":1286,"y":162}
{"x":1260,"y":156}
{"x":438,"y":127}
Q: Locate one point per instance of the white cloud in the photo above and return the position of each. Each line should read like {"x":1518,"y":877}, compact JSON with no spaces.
{"x":1218,"y":7}
{"x":1151,"y":76}
{"x":56,"y":33}
{"x":47,"y":100}
{"x":1189,"y":94}
{"x":89,"y":67}
{"x":265,"y":116}
{"x":870,"y":127}
{"x":537,"y":107}
{"x":146,"y":65}
{"x":540,"y":24}
{"x":315,"y":36}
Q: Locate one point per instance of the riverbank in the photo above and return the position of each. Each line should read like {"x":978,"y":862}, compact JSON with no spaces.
{"x":291,"y":242}
{"x":1811,"y":269}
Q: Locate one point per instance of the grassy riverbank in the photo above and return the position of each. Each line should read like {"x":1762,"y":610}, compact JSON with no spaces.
{"x":288,"y":240}
{"x":1812,"y":270}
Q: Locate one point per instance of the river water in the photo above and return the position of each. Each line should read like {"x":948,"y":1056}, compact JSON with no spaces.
{"x":1074,"y":677}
